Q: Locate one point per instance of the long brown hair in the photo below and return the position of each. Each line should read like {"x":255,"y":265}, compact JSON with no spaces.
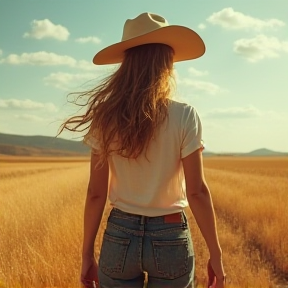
{"x":128,"y":106}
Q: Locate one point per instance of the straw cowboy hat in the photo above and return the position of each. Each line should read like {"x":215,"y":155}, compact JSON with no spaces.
{"x":152,"y":28}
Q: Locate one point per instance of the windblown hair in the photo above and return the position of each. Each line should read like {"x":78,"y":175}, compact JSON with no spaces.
{"x":125,"y":110}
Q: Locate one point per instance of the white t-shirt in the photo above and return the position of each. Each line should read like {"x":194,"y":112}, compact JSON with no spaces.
{"x":156,"y":186}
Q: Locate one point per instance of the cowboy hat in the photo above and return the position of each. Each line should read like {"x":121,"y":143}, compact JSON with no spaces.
{"x":152,"y":28}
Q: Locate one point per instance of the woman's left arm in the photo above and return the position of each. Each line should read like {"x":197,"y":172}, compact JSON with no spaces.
{"x":95,"y":203}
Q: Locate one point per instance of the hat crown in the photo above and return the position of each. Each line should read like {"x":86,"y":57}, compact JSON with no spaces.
{"x":143,"y":24}
{"x":150,"y":28}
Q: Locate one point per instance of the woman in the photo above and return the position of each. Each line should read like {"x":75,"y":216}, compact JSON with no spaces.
{"x":144,"y":147}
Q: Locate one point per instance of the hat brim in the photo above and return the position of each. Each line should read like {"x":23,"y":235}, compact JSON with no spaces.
{"x":186,"y":43}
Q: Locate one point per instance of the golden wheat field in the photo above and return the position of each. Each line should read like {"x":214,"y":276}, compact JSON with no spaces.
{"x":41,"y":207}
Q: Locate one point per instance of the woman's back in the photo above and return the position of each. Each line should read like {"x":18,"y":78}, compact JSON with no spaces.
{"x":153,"y":183}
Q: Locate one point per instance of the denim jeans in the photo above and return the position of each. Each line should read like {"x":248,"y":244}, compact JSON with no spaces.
{"x":134,"y":244}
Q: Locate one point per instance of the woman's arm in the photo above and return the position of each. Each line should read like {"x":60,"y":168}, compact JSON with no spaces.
{"x":201,"y":205}
{"x":95,"y":203}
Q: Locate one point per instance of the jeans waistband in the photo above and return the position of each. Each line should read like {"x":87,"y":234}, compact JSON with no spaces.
{"x":178,"y":217}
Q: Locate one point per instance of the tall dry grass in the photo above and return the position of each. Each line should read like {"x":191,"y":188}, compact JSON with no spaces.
{"x":254,"y":204}
{"x":41,"y":224}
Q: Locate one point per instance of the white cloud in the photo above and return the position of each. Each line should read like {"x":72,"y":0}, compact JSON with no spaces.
{"x":202,"y":86}
{"x":91,"y":39}
{"x":29,"y":117}
{"x":42,"y":58}
{"x":230,"y":19}
{"x":46,"y":29}
{"x":234,"y":112}
{"x":64,"y":81}
{"x":260,"y":47}
{"x":196,"y":72}
{"x":202,"y":26}
{"x":26,"y":104}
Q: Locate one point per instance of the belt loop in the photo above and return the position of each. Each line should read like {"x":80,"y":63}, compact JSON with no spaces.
{"x":142,"y":220}
{"x":184,"y":217}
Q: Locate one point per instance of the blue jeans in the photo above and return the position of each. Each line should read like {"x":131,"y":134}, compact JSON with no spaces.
{"x":134,"y":244}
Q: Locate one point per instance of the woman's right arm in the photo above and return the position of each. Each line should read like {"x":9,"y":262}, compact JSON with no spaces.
{"x":201,"y":205}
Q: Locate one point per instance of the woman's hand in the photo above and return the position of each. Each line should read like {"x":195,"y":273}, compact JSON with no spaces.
{"x":216,"y":280}
{"x":218,"y":283}
{"x":89,"y":272}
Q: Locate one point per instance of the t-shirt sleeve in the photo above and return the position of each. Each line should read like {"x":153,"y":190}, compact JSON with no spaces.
{"x":191,"y":132}
{"x":91,"y":140}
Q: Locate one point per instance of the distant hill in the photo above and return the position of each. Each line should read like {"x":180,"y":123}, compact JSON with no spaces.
{"x":208,"y":153}
{"x":265,"y":152}
{"x":51,"y":146}
{"x":40,"y":146}
{"x":33,"y":151}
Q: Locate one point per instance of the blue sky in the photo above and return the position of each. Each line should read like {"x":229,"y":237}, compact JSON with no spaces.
{"x":239,"y":86}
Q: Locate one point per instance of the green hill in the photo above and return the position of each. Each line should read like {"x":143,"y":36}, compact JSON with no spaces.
{"x":40,"y":146}
{"x":266,"y":152}
{"x":52,"y":146}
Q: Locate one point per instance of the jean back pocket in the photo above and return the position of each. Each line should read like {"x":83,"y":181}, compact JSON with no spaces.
{"x":172,"y":258}
{"x":113,"y":255}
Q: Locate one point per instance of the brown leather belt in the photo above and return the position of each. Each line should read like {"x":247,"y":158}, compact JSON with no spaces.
{"x":173,"y":218}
